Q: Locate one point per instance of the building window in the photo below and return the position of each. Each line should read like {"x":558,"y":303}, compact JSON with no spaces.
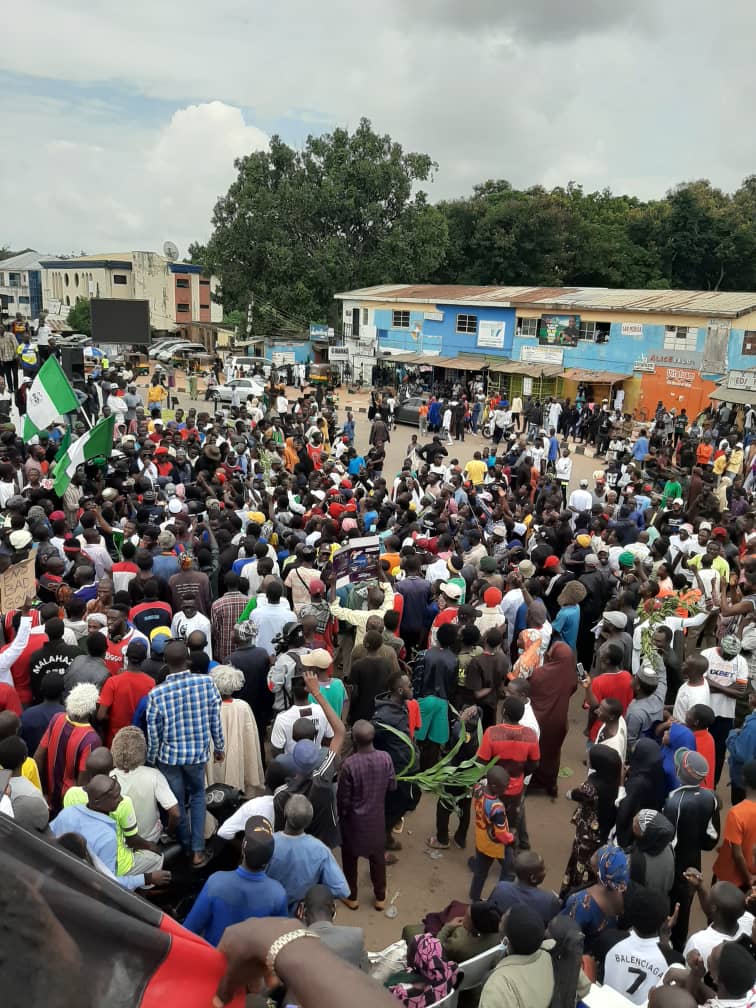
{"x":680,"y":337}
{"x":467,"y":323}
{"x":119,"y":278}
{"x":68,"y":300}
{"x":183,"y":307}
{"x":400,"y":320}
{"x":65,"y":280}
{"x":594,"y":332}
{"x":528,"y":326}
{"x":2,"y":280}
{"x":23,"y":300}
{"x":205,"y":306}
{"x":14,"y":279}
{"x":76,"y":279}
{"x":364,"y":316}
{"x":182,"y":281}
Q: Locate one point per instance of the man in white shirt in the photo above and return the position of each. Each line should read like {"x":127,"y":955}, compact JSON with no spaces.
{"x":580,"y":500}
{"x":727,"y":907}
{"x":695,"y":689}
{"x":272,"y":614}
{"x":281,"y":739}
{"x":634,"y":966}
{"x":727,"y":676}
{"x":188,"y":619}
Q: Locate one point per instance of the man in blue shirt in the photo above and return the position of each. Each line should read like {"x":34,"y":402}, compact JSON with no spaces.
{"x":530,"y":871}
{"x":231,"y":897}
{"x":640,"y":448}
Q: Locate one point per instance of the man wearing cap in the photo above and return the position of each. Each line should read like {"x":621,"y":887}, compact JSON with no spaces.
{"x":727,"y":677}
{"x":646,"y":710}
{"x":580,"y":500}
{"x":694,"y":812}
{"x":231,"y":897}
{"x":449,"y":595}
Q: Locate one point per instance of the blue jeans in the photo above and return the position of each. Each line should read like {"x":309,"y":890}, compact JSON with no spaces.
{"x":188,"y":784}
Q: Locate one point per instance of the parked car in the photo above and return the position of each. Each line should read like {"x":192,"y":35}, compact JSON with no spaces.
{"x":408,"y":411}
{"x":249,"y":388}
{"x":179,"y":352}
{"x":165,"y":344}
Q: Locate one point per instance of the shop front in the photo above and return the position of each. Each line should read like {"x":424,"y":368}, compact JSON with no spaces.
{"x":579,"y":384}
{"x":675,"y":385}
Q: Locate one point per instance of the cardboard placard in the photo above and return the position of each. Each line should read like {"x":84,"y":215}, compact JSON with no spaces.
{"x":16,"y":583}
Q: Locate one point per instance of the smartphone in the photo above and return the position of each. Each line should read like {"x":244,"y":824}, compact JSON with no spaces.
{"x":580,"y":672}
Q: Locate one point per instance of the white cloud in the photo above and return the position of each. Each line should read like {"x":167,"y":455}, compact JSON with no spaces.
{"x":85,"y":179}
{"x":634,"y":96}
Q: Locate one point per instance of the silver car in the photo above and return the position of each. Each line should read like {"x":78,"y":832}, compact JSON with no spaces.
{"x":249,"y":388}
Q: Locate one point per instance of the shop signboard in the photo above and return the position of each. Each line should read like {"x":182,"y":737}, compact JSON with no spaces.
{"x":644,"y":365}
{"x":680,"y":378}
{"x":491,"y":334}
{"x":318,"y":331}
{"x":632,"y":328}
{"x":339,"y":353}
{"x":676,"y":358}
{"x":743,"y":380}
{"x":559,"y":330}
{"x":541,"y":355}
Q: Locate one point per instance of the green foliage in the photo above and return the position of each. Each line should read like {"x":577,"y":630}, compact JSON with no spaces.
{"x":80,"y":317}
{"x":297,"y":226}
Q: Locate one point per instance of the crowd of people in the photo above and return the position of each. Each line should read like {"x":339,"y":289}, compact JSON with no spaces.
{"x":193,"y":631}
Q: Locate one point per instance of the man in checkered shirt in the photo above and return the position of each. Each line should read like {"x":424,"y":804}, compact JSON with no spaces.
{"x":183,"y":718}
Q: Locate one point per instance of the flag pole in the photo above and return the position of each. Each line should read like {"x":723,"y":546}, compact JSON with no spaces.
{"x":86,"y":416}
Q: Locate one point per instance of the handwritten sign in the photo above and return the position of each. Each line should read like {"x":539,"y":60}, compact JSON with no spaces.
{"x":16,"y":583}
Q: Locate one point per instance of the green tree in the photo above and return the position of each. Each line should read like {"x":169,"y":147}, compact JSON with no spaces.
{"x":297,"y":226}
{"x":80,"y":317}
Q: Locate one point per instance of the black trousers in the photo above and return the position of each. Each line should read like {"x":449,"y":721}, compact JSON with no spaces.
{"x":10,"y":373}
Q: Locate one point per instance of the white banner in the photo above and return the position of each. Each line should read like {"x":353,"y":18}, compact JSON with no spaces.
{"x":491,"y":334}
{"x":632,"y":328}
{"x":542,"y":355}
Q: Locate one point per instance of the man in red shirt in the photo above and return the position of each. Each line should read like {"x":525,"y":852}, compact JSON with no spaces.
{"x":612,"y":681}
{"x":121,"y":693}
{"x":515,"y":747}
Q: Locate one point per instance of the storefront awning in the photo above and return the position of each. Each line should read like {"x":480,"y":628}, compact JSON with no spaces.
{"x":464,"y":363}
{"x":742,"y":397}
{"x":594,"y":377}
{"x":527,"y":369}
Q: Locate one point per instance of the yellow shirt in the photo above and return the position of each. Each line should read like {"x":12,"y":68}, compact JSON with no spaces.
{"x":719,"y":564}
{"x":124,"y":818}
{"x":476,"y":470}
{"x":31,"y":772}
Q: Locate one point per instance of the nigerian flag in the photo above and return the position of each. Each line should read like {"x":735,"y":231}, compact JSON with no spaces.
{"x":50,"y":396}
{"x":96,"y":443}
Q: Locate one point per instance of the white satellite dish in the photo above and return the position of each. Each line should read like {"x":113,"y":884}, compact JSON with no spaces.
{"x":170,"y":251}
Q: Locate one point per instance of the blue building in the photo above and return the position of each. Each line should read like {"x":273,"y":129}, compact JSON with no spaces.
{"x":21,"y":285}
{"x":638,"y":345}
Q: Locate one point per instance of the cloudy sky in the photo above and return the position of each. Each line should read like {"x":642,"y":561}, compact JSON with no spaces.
{"x":121,"y":121}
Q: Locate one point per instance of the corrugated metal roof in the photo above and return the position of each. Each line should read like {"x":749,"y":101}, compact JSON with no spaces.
{"x":22,"y":261}
{"x":599,"y":377}
{"x":727,"y":304}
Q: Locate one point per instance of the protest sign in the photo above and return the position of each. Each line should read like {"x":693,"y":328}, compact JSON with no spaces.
{"x":16,"y":583}
{"x":357,"y":562}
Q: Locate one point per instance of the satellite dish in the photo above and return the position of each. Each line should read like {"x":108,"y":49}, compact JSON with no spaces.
{"x":170,"y":251}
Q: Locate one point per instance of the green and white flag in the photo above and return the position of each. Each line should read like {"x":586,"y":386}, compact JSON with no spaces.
{"x":50,"y":396}
{"x":96,"y":443}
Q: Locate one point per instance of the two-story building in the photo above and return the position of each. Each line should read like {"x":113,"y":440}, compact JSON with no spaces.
{"x":21,"y":285}
{"x":638,"y":346}
{"x":178,"y":293}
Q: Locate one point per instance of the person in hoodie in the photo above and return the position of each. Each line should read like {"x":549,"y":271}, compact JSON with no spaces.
{"x":652,"y":860}
{"x":645,"y":788}
{"x":391,"y":712}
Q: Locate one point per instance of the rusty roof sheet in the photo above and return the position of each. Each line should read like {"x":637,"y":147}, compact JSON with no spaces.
{"x":599,"y":377}
{"x":726,"y":304}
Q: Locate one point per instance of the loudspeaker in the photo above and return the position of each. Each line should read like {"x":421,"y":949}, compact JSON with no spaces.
{"x":72,"y":362}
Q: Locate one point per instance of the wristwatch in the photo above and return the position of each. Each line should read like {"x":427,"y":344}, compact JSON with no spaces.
{"x":281,"y":943}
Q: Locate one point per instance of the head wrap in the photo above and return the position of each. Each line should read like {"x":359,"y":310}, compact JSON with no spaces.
{"x":612,"y":868}
{"x":626,"y":559}
{"x":616,"y":619}
{"x":583,"y":540}
{"x":428,"y":960}
{"x":492,"y":597}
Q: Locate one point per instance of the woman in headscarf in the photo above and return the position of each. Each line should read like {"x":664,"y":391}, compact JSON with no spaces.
{"x":567,"y":622}
{"x":290,"y":454}
{"x":551,"y":686}
{"x":594,"y":816}
{"x":677,"y":736}
{"x":644,"y":787}
{"x":598,"y":907}
{"x":242,"y":767}
{"x":429,"y":977}
{"x":532,"y":642}
{"x":652,"y":860}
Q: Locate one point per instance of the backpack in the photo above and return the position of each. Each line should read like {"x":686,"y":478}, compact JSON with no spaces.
{"x":280,"y":677}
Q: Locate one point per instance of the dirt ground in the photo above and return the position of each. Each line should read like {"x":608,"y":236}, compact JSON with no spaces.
{"x":429,"y":883}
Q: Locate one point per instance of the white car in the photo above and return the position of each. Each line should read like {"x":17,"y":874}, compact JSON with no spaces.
{"x":249,"y":388}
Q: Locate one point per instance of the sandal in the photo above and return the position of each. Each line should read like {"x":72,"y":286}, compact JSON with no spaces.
{"x":205,"y":859}
{"x":436,"y":844}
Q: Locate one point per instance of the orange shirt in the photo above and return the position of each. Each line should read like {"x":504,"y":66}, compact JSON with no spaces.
{"x":705,"y":746}
{"x":740,"y":829}
{"x":704,"y":453}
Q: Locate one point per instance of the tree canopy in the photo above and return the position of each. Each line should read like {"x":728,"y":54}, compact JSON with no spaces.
{"x":80,"y":317}
{"x":347,"y":211}
{"x":297,"y":226}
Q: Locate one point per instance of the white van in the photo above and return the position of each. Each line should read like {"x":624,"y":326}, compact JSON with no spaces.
{"x":246,"y":365}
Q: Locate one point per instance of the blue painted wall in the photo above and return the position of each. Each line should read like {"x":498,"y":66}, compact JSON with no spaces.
{"x":736,"y":359}
{"x":442,"y":337}
{"x":302,"y":351}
